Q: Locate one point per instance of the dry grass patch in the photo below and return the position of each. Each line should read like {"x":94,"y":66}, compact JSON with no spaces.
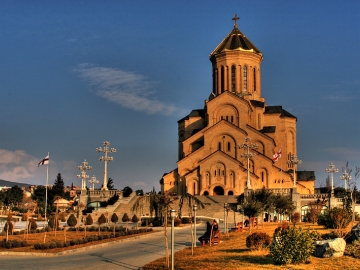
{"x":232,"y":253}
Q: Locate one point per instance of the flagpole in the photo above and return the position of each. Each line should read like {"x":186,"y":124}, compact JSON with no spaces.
{"x":46,"y":186}
{"x":46,"y":194}
{"x":281,"y":173}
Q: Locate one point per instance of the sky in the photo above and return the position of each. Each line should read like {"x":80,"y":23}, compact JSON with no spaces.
{"x":74,"y":74}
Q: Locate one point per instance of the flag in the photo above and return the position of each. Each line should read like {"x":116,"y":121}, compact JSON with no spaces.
{"x":44,"y":161}
{"x":277,"y":155}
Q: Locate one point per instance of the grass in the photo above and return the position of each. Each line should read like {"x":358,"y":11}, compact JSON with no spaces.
{"x":232,"y":253}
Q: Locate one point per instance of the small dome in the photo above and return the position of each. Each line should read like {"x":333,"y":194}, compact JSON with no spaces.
{"x":234,"y":41}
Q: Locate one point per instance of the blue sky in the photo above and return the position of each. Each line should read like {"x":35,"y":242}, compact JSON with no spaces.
{"x":77,"y":73}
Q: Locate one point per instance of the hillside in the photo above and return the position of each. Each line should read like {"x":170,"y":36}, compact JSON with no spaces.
{"x":4,"y":183}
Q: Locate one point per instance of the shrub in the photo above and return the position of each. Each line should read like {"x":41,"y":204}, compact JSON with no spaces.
{"x":32,"y":225}
{"x":258,"y":240}
{"x":8,"y":226}
{"x":292,"y":245}
{"x":89,"y":220}
{"x":185,"y":220}
{"x":72,"y":221}
{"x":59,"y":244}
{"x":335,"y":218}
{"x":53,"y":222}
{"x":177,"y":222}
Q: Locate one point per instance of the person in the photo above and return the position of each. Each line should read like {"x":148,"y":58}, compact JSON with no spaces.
{"x":205,"y":238}
{"x":215,"y":226}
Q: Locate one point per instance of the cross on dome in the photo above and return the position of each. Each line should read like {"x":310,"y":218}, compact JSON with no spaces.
{"x":235,"y":19}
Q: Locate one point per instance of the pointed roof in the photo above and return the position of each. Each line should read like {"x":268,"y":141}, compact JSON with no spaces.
{"x":236,"y":41}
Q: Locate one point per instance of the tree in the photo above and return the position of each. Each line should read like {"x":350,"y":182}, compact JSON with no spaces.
{"x":110,"y":184}
{"x":135,"y":219}
{"x":58,"y":189}
{"x":127,"y":191}
{"x":114,"y":219}
{"x":139,"y":192}
{"x":101,"y":220}
{"x":38,"y":196}
{"x":283,"y":204}
{"x":72,"y":221}
{"x":315,"y":209}
{"x":88,"y":221}
{"x":126,"y":219}
{"x":8,"y":226}
{"x":14,"y":196}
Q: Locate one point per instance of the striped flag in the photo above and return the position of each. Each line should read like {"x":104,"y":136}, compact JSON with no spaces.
{"x":277,"y":155}
{"x":44,"y":161}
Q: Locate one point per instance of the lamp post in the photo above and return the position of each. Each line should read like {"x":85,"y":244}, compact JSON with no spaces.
{"x":172,"y":216}
{"x":225,"y":218}
{"x":105,"y":158}
{"x":294,"y":161}
{"x":248,"y":146}
{"x":83,"y":168}
{"x":332,"y":170}
{"x":194,"y":239}
{"x":93,"y":181}
{"x":346,"y":177}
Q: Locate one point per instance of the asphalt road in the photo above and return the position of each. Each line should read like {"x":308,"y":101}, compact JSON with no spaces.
{"x":131,"y":254}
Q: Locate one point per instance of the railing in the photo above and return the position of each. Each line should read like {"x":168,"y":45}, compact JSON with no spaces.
{"x":281,"y":190}
{"x":314,"y":196}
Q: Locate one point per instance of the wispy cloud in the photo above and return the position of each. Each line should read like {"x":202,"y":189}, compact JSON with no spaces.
{"x":130,"y":90}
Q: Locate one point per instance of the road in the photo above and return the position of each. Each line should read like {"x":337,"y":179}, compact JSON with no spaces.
{"x":131,"y":254}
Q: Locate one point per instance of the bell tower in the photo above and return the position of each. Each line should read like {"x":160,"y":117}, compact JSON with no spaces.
{"x":236,"y":66}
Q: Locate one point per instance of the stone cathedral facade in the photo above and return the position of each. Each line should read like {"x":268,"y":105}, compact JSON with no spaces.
{"x":229,"y":146}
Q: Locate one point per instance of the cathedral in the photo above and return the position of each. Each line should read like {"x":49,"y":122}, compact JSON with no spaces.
{"x":237,"y":142}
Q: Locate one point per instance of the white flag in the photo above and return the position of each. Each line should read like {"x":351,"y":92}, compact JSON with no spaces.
{"x":277,"y":155}
{"x":44,"y":161}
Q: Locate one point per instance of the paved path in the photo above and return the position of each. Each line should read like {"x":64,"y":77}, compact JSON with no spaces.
{"x":131,"y":254}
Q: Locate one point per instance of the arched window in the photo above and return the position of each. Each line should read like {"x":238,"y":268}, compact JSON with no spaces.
{"x":259,"y":121}
{"x":194,"y":188}
{"x":262,"y":177}
{"x":245,"y":79}
{"x":233,"y":78}
{"x":229,"y":146}
{"x":254,"y":79}
{"x":219,"y":146}
{"x":215,"y":81}
{"x":222,"y":79}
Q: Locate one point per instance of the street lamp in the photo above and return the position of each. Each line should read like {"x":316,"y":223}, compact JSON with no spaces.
{"x":93,"y":181}
{"x":83,"y":168}
{"x":172,"y":216}
{"x":332,"y":170}
{"x":346,"y":177}
{"x":194,"y":239}
{"x":294,"y":161}
{"x":225,"y":217}
{"x":248,"y":146}
{"x":105,"y":158}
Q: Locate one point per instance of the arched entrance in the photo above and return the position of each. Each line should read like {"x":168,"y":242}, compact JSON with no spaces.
{"x":218,"y":191}
{"x":230,"y":192}
{"x":206,"y":193}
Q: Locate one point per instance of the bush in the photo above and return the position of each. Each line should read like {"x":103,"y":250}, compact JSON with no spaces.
{"x":177,"y":222}
{"x":32,"y":225}
{"x":185,"y":220}
{"x":335,"y":218}
{"x":258,"y":240}
{"x":292,"y":245}
{"x":72,"y":221}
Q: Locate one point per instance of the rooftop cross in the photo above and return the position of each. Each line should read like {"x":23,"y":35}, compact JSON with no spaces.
{"x":235,"y":19}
